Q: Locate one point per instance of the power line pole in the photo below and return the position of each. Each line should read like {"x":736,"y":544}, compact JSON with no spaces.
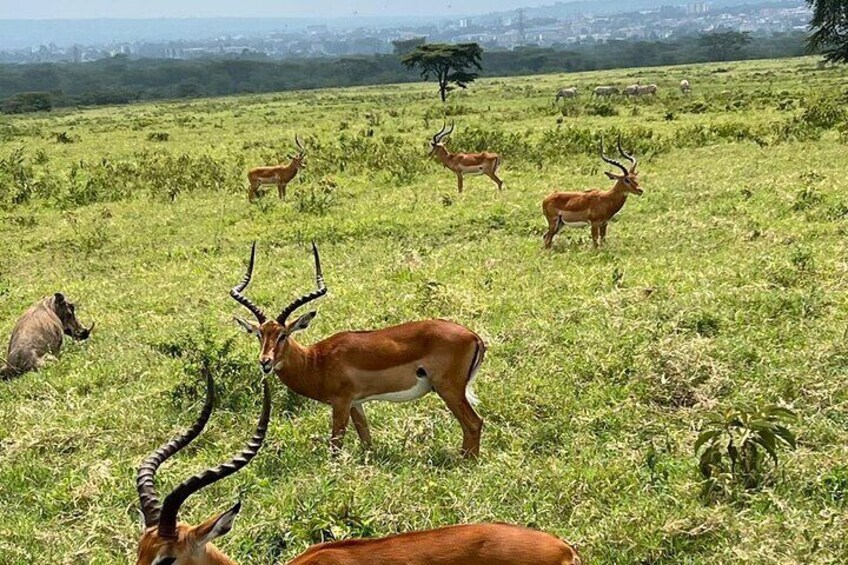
{"x":522,"y":37}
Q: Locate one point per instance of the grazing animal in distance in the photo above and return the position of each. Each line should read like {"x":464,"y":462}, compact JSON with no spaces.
{"x":37,"y":337}
{"x":685,"y":87}
{"x":466,"y":544}
{"x":165,"y":540}
{"x":632,"y":90}
{"x":593,"y":207}
{"x":280,"y":175}
{"x":346,"y":370}
{"x":605,"y":90}
{"x":647,"y":89}
{"x":465,"y":163}
{"x":564,"y":93}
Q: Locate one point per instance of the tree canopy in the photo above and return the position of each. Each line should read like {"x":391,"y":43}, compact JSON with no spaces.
{"x":451,"y":65}
{"x":830,"y":29}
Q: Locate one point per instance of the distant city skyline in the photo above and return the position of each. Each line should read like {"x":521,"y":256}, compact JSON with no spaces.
{"x":86,"y":9}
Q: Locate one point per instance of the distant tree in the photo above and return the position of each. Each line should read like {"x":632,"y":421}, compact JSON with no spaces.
{"x":406,"y":46}
{"x":830,"y":29}
{"x":28,"y":102}
{"x":450,"y":64}
{"x":725,"y":45}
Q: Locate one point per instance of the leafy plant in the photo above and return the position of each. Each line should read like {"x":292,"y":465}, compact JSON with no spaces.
{"x":736,"y":445}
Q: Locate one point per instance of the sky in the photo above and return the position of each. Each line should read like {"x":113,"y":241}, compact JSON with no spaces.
{"x":63,"y":9}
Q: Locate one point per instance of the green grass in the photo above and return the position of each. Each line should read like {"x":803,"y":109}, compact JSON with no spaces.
{"x":593,"y":390}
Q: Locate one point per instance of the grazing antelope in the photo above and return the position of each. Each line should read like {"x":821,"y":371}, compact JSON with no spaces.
{"x":281,"y":175}
{"x":685,"y":87}
{"x":563,"y":93}
{"x":593,"y":207}
{"x":465,"y":163}
{"x":469,"y":544}
{"x":164,"y":540}
{"x":398,"y":364}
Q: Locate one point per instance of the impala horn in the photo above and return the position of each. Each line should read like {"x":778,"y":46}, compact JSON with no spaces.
{"x":299,"y":145}
{"x":628,"y":156}
{"x":150,"y":505}
{"x":306,"y":298}
{"x":438,"y":137}
{"x":171,"y":506}
{"x":236,"y":291}
{"x":612,"y":161}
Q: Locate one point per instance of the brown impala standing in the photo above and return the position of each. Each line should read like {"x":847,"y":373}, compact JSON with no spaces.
{"x":593,"y":207}
{"x":465,"y":163}
{"x":398,"y":364}
{"x":281,"y":175}
{"x":165,"y":541}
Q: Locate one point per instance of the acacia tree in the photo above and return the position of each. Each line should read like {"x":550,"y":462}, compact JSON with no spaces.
{"x":830,"y":25}
{"x":451,"y":65}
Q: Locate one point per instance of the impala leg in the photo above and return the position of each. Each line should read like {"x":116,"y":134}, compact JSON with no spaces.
{"x":459,"y":182}
{"x":603,"y":229}
{"x":494,"y":176}
{"x":357,"y":416}
{"x":553,"y":229}
{"x":596,"y":230}
{"x":472,"y":424}
{"x":251,"y":193}
{"x":341,"y":416}
{"x":281,"y":189}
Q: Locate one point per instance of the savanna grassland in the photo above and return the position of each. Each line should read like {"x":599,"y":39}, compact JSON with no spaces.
{"x":724,"y":286}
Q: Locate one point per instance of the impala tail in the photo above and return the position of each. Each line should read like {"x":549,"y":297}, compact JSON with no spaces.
{"x":479,"y":355}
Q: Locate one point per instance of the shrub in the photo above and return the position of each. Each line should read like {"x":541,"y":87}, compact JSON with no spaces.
{"x":735,"y":446}
{"x":823,"y":111}
{"x":160,"y":136}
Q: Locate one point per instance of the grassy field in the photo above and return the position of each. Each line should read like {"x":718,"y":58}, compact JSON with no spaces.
{"x":723,"y":286}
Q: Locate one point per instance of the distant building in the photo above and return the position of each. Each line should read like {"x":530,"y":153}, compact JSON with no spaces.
{"x":697,"y":8}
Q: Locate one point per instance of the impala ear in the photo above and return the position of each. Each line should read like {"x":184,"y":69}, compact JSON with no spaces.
{"x":612,"y":176}
{"x":246,"y":326}
{"x":217,"y":526}
{"x":301,"y":323}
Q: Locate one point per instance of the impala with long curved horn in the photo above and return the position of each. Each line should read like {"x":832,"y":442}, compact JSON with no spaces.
{"x":398,"y":363}
{"x":593,"y":207}
{"x":165,"y":541}
{"x":281,"y":175}
{"x":465,"y":163}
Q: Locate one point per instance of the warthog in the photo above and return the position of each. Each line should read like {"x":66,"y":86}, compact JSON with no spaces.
{"x":37,"y":336}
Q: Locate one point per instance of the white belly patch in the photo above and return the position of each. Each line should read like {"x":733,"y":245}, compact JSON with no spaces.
{"x":575,"y":224}
{"x":267,"y":180}
{"x":421,"y":388}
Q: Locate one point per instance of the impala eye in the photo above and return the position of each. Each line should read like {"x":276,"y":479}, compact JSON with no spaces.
{"x":166,"y":561}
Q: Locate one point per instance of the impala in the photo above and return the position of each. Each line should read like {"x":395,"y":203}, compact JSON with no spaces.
{"x":398,"y":364}
{"x":593,"y":207}
{"x":465,"y":163}
{"x":470,"y":544}
{"x":281,"y":175}
{"x":164,"y":540}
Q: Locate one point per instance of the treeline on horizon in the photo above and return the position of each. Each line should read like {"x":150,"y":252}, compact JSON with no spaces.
{"x":120,"y":80}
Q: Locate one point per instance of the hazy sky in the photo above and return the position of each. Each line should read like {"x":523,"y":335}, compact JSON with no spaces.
{"x":17,"y":9}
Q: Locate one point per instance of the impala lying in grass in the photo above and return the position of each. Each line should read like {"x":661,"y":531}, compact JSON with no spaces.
{"x":593,"y":207}
{"x":346,"y":370}
{"x":164,"y":540}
